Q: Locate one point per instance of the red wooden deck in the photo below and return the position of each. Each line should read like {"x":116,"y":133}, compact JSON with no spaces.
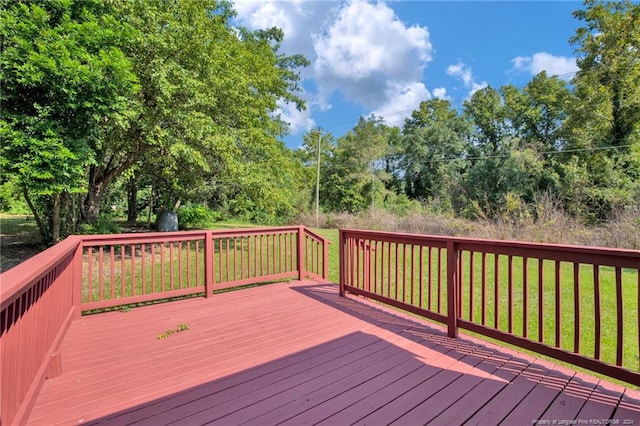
{"x":297,"y":353}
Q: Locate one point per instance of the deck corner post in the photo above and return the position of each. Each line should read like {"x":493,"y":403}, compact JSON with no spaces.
{"x":452,"y":291}
{"x":342,"y":262}
{"x":301,"y":253}
{"x":208,"y":263}
{"x":76,"y":280}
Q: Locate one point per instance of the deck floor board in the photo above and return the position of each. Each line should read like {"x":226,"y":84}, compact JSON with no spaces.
{"x":297,"y":353}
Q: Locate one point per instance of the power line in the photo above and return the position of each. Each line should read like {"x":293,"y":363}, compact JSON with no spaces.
{"x":564,"y":151}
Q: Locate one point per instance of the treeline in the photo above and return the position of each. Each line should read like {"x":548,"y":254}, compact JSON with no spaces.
{"x":139,"y":105}
{"x":576,"y":142}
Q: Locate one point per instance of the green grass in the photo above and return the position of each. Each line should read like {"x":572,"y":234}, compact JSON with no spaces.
{"x":175,"y":268}
{"x":165,"y":266}
{"x":334,"y":262}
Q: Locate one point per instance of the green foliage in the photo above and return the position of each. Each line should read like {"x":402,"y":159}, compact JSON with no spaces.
{"x":104,"y":225}
{"x":11,"y":200}
{"x":197,"y":216}
{"x":64,"y":76}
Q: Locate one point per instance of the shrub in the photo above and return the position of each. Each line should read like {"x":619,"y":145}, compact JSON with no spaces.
{"x":196,"y":216}
{"x":104,"y":225}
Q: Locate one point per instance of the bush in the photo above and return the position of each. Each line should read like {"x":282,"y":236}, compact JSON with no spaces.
{"x":104,"y":225}
{"x":196,"y":216}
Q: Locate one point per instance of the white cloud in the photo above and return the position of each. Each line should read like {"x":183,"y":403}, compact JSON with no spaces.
{"x":366,"y":50}
{"x":464,"y":73}
{"x":299,"y":121}
{"x":542,"y":61}
{"x":403,"y":99}
{"x":358,"y":49}
{"x":441,"y":93}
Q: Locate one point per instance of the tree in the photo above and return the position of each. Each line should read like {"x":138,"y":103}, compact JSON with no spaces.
{"x":63,"y":76}
{"x":165,"y":92}
{"x":434,"y":142}
{"x":356,"y":172}
{"x":208,"y":96}
{"x":604,"y":113}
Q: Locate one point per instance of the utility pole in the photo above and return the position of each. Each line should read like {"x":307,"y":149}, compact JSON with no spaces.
{"x":318,"y":180}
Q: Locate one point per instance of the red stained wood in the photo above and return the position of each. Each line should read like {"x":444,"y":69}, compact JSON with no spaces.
{"x":299,"y":353}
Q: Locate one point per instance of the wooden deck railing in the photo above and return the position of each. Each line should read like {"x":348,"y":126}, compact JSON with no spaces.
{"x":40,"y":297}
{"x":576,"y":304}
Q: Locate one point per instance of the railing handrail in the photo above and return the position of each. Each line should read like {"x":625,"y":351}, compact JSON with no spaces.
{"x":18,"y":279}
{"x":509,"y":246}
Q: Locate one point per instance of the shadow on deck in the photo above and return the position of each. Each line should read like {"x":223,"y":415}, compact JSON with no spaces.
{"x":297,"y":353}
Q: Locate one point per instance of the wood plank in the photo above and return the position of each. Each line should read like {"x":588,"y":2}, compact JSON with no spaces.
{"x":569,"y":403}
{"x":298,"y":353}
{"x":450,"y":368}
{"x":628,"y":412}
{"x":504,"y":402}
{"x":450,"y":394}
{"x":469,"y":404}
{"x":602,"y":402}
{"x":541,"y":397}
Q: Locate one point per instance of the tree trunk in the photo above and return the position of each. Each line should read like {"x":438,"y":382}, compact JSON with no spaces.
{"x":95,"y":194}
{"x":55,"y":218}
{"x":132,"y":201}
{"x":42,"y":227}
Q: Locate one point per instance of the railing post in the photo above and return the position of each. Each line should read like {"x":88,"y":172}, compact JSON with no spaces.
{"x":452,"y":291}
{"x":209,"y":254}
{"x":341,"y":262}
{"x":301,"y":253}
{"x":325,"y":259}
{"x":76,"y":280}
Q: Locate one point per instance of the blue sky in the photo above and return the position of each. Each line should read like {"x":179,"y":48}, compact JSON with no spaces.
{"x":385,"y":57}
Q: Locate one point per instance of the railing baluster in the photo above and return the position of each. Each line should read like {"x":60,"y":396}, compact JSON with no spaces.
{"x":439,"y":279}
{"x":525,"y":300}
{"x":404,"y":273}
{"x":620,"y":317}
{"x":162,"y":277}
{"x":558,"y":304}
{"x":496,"y":291}
{"x":226,"y":257}
{"x":484,"y":288}
{"x":459,"y":277}
{"x":471,"y":283}
{"x":90,"y":273}
{"x":395,"y":284}
{"x":133,"y":270}
{"x":153,"y":268}
{"x":388,"y":269}
{"x":420,"y":280}
{"x":189,"y":264}
{"x":171,"y":261}
{"x":100,"y":271}
{"x":413,"y":262}
{"x":540,"y":301}
{"x":112,"y":258}
{"x":510,"y":291}
{"x":143,"y":277}
{"x":576,"y":307}
{"x":430,"y":278}
{"x":235,"y":262}
{"x":180,"y":279}
{"x":375,"y":267}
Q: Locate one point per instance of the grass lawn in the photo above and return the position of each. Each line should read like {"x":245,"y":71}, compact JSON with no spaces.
{"x":180,"y":266}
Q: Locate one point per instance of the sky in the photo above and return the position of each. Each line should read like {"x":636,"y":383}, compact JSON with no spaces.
{"x":385,"y":57}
